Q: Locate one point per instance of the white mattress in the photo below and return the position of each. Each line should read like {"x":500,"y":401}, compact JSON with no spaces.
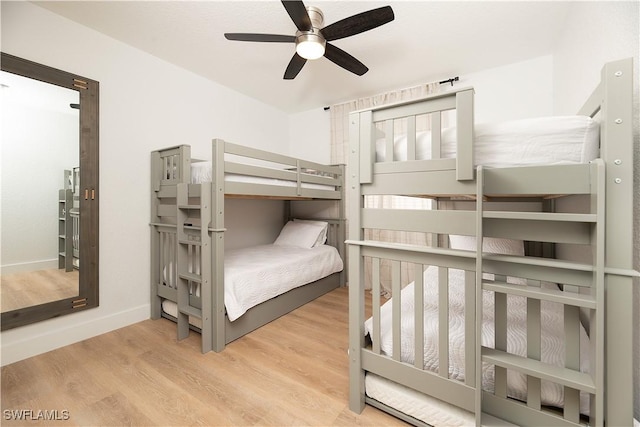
{"x":256,"y":274}
{"x":552,"y":335}
{"x":545,"y":140}
{"x":411,"y":402}
{"x":202,"y":172}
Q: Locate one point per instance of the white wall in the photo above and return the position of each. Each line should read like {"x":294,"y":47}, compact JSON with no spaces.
{"x":513,"y":91}
{"x":309,"y":135}
{"x":595,"y":33}
{"x":145,"y":104}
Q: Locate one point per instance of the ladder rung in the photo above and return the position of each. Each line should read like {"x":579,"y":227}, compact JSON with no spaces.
{"x":191,"y":311}
{"x":192,"y":277}
{"x":190,"y":242}
{"x":536,"y":261}
{"x":553,"y":295}
{"x":541,"y":216}
{"x":189,"y":206}
{"x":535,"y":368}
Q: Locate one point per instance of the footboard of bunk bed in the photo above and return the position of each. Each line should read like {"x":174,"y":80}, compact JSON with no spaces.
{"x":187,"y":238}
{"x":606,"y":385}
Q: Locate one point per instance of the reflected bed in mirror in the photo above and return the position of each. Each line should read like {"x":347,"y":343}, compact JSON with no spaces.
{"x":49,"y":258}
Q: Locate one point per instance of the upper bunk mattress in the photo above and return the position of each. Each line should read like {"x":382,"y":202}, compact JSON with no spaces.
{"x":544,"y":140}
{"x":203,"y":172}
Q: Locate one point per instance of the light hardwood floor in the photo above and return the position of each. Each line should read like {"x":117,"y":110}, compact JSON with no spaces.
{"x":292,"y":371}
{"x":24,"y":289}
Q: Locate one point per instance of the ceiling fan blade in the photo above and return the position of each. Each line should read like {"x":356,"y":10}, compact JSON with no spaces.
{"x":294,"y":67}
{"x":298,"y":13}
{"x":357,"y":24}
{"x":251,"y":37}
{"x":344,"y":60}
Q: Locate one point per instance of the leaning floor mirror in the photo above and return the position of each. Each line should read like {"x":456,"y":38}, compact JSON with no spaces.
{"x":49,"y":189}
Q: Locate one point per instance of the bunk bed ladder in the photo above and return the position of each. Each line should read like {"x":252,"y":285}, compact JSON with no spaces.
{"x":495,"y":406}
{"x":194,"y":246}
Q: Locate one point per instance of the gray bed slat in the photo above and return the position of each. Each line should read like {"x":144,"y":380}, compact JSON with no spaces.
{"x":534,"y":345}
{"x":535,"y":180}
{"x":443,"y":322}
{"x":432,"y":221}
{"x":520,"y":414}
{"x":563,"y":376}
{"x":500,"y":328}
{"x":396,"y":303}
{"x":380,"y":168}
{"x":418,"y":314}
{"x":544,"y":269}
{"x":419,"y":183}
{"x":389,"y":139}
{"x":464,"y":130}
{"x":451,"y":391}
{"x":536,"y":230}
{"x":417,"y":254}
{"x":440,"y":102}
{"x":375,"y":296}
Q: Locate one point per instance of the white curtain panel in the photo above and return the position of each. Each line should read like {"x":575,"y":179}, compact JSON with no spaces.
{"x":339,"y":154}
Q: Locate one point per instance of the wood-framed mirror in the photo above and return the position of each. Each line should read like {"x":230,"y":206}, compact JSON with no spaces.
{"x":49,"y":251}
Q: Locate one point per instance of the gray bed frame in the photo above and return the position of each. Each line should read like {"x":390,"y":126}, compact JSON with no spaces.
{"x":179,"y":208}
{"x":597,"y":294}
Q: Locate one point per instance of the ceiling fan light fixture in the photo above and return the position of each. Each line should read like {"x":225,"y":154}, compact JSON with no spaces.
{"x":310,"y":45}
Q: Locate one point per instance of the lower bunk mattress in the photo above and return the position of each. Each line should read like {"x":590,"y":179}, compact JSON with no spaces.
{"x":256,"y":274}
{"x":398,"y":396}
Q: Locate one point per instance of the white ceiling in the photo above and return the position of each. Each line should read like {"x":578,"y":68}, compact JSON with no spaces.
{"x":427,"y":41}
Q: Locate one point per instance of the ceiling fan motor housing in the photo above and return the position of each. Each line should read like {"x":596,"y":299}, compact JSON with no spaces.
{"x":312,"y":39}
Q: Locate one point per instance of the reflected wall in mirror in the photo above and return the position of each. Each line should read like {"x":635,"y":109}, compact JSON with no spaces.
{"x":49,"y":239}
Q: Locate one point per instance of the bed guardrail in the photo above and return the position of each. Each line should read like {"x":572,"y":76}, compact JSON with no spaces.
{"x":366,"y":125}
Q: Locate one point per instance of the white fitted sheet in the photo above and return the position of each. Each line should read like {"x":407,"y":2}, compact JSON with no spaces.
{"x":552,"y":335}
{"x":543,"y":140}
{"x":256,"y":274}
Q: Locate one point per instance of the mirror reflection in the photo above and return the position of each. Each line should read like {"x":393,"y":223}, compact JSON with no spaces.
{"x":40,"y":185}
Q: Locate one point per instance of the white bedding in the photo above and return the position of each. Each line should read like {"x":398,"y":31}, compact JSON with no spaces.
{"x":256,"y":274}
{"x":552,"y":335}
{"x":545,"y":140}
{"x":202,"y":172}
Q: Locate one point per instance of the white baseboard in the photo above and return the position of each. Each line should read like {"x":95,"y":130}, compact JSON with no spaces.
{"x":31,"y":340}
{"x":29,"y":266}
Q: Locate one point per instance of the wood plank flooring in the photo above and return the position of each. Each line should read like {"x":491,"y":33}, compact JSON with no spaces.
{"x":292,"y":371}
{"x":24,"y":289}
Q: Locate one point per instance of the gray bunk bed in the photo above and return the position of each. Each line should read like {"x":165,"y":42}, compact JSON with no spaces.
{"x":188,"y":229}
{"x":469,"y":361}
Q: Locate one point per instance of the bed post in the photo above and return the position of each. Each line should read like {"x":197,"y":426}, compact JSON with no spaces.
{"x":617,"y":152}
{"x":342,"y":224}
{"x":217,"y":246}
{"x":156,"y":302}
{"x":359,"y":135}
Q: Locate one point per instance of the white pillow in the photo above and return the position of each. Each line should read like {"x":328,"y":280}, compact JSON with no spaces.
{"x":489,"y":244}
{"x":322,"y":238}
{"x":299,"y":234}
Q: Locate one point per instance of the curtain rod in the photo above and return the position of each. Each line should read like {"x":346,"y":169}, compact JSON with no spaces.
{"x":451,"y":80}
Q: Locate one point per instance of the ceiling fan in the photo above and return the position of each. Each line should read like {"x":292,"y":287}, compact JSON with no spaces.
{"x":312,"y":39}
